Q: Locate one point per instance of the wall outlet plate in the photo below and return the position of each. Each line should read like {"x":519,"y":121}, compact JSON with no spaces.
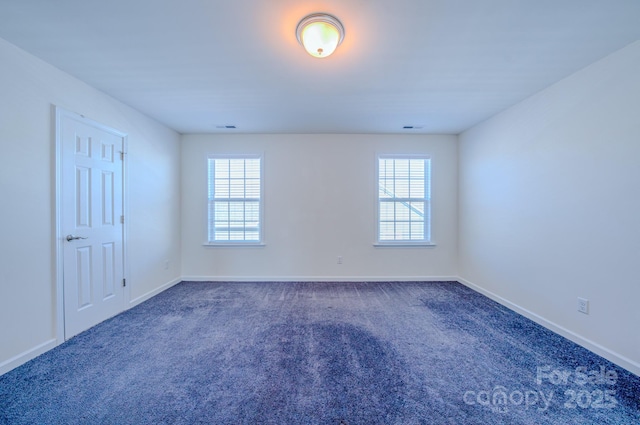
{"x":583,"y":305}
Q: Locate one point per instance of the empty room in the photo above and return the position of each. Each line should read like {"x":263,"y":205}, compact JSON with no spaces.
{"x":339,"y":212}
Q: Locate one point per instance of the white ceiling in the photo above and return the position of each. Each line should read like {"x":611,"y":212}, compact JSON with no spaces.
{"x":443,"y":65}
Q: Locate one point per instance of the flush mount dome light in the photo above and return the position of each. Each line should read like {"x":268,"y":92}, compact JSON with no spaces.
{"x":320,"y":34}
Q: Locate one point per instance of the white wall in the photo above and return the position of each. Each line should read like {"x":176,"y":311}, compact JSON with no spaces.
{"x":550,"y":206}
{"x":29,"y":88}
{"x":319,"y":204}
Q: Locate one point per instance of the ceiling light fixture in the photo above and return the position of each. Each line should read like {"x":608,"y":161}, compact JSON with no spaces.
{"x":320,"y":34}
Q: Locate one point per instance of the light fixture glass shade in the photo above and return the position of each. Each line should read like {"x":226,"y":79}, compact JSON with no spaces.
{"x":320,"y":34}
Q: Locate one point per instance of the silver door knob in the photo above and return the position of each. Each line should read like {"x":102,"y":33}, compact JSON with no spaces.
{"x":73,"y":238}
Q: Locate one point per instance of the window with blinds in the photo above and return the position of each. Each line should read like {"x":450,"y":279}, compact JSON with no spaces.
{"x":235,"y":199}
{"x":404,"y":200}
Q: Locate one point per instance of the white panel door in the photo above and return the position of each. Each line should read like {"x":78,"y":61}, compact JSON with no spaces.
{"x":91,"y":228}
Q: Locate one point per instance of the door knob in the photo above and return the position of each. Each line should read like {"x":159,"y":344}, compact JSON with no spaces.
{"x":72,"y":238}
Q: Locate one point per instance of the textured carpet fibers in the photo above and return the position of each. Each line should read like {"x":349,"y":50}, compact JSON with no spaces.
{"x":319,"y":353}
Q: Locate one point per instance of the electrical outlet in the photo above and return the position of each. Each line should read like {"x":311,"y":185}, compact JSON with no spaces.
{"x":583,"y":305}
{"x":166,"y":264}
{"x":339,"y":259}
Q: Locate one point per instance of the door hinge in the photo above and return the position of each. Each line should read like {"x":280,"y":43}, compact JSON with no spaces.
{"x":124,"y":282}
{"x":122,"y":219}
{"x":121,"y":156}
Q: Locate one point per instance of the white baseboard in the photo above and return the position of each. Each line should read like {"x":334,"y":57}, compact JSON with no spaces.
{"x":622,"y":361}
{"x":320,"y":278}
{"x":134,"y":302}
{"x":22,"y":358}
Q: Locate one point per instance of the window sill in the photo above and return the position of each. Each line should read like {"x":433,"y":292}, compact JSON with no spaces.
{"x":234,"y":244}
{"x":404,"y":244}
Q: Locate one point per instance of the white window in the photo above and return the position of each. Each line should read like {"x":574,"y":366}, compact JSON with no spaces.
{"x":235,"y":199}
{"x":404,"y":199}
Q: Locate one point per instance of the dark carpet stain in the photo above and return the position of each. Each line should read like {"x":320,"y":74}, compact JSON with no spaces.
{"x":319,"y":373}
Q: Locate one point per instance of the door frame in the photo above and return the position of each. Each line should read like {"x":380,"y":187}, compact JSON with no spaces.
{"x":58,"y":114}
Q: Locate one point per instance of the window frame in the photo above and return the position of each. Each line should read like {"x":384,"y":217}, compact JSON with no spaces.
{"x":210,"y":200}
{"x":427,"y":240}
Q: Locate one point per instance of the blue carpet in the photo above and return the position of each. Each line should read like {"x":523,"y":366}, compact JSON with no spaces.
{"x":319,"y":353}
